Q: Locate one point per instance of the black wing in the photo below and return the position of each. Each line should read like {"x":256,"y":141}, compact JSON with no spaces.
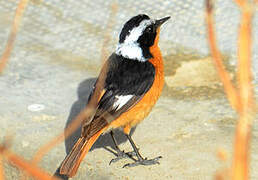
{"x":126,"y":83}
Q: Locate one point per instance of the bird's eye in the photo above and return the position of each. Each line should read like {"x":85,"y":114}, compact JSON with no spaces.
{"x":149,"y":29}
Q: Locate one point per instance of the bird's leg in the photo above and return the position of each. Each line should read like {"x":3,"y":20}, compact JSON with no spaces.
{"x":141,"y":160}
{"x":120,"y":154}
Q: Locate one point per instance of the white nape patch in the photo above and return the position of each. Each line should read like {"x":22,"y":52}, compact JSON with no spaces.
{"x":121,"y":101}
{"x":130,"y":51}
{"x":130,"y":48}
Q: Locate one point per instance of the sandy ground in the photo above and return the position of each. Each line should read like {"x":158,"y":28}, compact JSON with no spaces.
{"x":56,"y":60}
{"x":186,"y":127}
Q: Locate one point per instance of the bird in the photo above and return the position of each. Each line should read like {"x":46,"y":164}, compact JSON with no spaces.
{"x":133,"y":84}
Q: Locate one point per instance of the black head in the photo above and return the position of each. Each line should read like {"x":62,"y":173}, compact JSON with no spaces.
{"x":129,"y":25}
{"x":137,"y":36}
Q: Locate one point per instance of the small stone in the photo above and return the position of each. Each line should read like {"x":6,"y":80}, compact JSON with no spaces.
{"x":36,"y":107}
{"x":25,"y":143}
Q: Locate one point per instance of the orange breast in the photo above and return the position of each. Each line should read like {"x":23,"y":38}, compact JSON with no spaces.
{"x":144,"y":106}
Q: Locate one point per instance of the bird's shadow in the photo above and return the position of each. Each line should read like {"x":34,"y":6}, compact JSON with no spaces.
{"x":105,"y":140}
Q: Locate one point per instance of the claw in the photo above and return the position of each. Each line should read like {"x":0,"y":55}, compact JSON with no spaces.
{"x":144,"y":162}
{"x":122,"y":155}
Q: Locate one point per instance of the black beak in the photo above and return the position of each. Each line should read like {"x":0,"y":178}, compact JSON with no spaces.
{"x":159,"y":22}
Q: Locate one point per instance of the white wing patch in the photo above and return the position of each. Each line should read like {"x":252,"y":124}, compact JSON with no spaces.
{"x":130,"y":48}
{"x":121,"y":101}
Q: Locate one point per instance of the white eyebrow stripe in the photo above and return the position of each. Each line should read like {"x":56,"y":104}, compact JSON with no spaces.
{"x":136,"y":32}
{"x":130,"y":48}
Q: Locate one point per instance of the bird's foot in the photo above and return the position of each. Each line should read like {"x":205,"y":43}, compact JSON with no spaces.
{"x":144,"y":162}
{"x":122,"y":155}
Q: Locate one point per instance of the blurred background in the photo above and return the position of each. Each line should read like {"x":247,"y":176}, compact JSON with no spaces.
{"x":58,"y":53}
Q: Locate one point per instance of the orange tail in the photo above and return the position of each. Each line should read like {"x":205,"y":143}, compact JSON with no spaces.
{"x":73,"y":160}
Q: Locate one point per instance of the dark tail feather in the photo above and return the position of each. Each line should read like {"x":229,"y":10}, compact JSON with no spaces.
{"x":73,"y":160}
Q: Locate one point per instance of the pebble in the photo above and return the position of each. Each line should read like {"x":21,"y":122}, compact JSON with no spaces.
{"x":36,"y":107}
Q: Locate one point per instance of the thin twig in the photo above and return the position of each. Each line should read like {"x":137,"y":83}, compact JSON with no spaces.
{"x":240,"y":166}
{"x":107,"y":37}
{"x":1,"y":168}
{"x":230,"y":90}
{"x":26,"y":166}
{"x":240,"y":3}
{"x":11,"y":39}
{"x":242,"y":101}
